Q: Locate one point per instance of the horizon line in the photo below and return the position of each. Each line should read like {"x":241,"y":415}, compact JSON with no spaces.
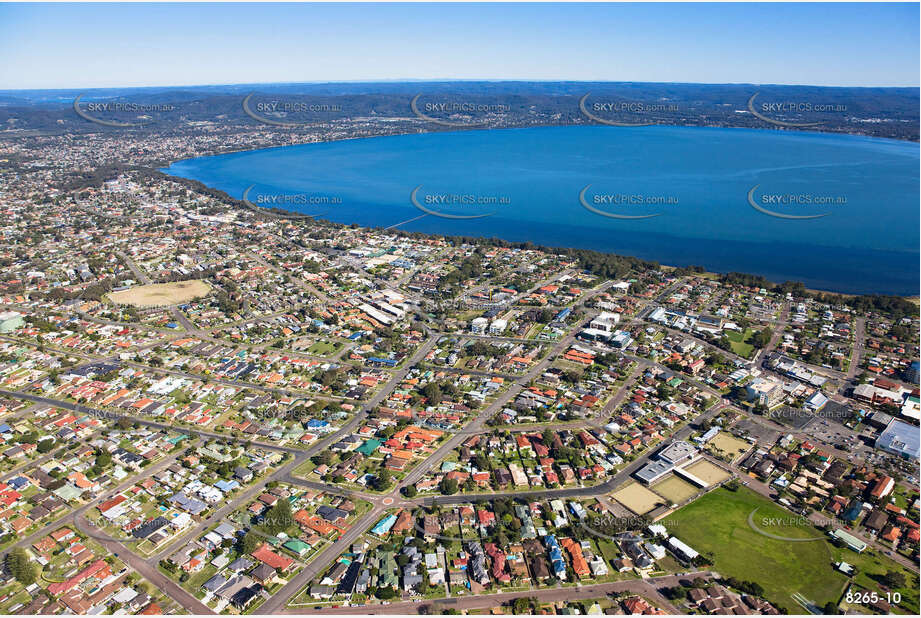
{"x":446,"y":80}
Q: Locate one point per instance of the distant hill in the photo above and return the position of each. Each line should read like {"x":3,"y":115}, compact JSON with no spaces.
{"x":878,"y":112}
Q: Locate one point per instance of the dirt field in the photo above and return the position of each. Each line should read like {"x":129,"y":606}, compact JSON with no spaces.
{"x":729,"y":445}
{"x":707,"y":472}
{"x":637,"y":498}
{"x":160,"y":294}
{"x":675,"y":489}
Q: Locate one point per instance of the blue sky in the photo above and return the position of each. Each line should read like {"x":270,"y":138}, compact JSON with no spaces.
{"x":110,"y":45}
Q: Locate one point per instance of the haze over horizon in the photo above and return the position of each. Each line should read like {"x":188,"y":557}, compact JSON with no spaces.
{"x":828,"y":44}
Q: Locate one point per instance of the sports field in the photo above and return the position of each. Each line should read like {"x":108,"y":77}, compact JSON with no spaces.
{"x":717,"y":525}
{"x":160,"y":294}
{"x":637,"y":498}
{"x":707,"y":472}
{"x":675,"y":489}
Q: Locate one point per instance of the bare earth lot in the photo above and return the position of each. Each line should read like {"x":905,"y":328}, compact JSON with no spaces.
{"x":161,"y":294}
{"x":637,"y":498}
{"x":707,"y":472}
{"x":675,"y":489}
{"x":728,"y":444}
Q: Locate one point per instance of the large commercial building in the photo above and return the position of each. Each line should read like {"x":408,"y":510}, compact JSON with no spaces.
{"x":10,"y":321}
{"x":676,"y":454}
{"x":901,"y":439}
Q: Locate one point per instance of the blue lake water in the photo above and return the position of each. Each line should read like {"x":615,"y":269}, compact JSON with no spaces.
{"x":698,"y":182}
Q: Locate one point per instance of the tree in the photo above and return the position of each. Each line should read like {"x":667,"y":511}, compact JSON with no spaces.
{"x":322,"y":458}
{"x":279,"y":518}
{"x":894,"y":579}
{"x":329,"y":377}
{"x":521,"y":605}
{"x":448,"y":486}
{"x":381,"y":481}
{"x":19,"y":565}
{"x":103,"y":461}
{"x":410,"y":491}
{"x":674,"y":592}
{"x":45,"y":445}
{"x":432,"y":393}
{"x":251,"y":542}
{"x":762,"y":338}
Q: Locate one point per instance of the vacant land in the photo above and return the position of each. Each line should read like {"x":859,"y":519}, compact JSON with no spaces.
{"x":737,"y":342}
{"x":161,"y":294}
{"x":675,"y":489}
{"x":717,"y":525}
{"x":726,"y":444}
{"x":637,"y":498}
{"x":322,"y":348}
{"x":707,"y":472}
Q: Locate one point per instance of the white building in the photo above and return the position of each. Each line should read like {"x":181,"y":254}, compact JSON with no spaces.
{"x":498,"y":327}
{"x":605,"y":321}
{"x":682,"y":550}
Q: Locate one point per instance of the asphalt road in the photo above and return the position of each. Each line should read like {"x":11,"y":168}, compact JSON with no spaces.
{"x":147,"y":568}
{"x":381,"y":502}
{"x":56,"y":523}
{"x":648,"y":588}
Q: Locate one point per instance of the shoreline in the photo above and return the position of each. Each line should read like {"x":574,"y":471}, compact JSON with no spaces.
{"x":294,"y":215}
{"x":277,"y":212}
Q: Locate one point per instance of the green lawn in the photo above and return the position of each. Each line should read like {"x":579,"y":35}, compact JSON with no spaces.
{"x":871,"y":565}
{"x":737,"y":342}
{"x":322,"y":348}
{"x":717,"y":524}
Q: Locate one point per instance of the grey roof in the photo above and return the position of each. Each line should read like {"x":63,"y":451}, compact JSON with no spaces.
{"x":240,"y":564}
{"x":330,"y":513}
{"x":262,"y":572}
{"x":215,"y":583}
{"x":900,"y":438}
{"x":653,"y":470}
